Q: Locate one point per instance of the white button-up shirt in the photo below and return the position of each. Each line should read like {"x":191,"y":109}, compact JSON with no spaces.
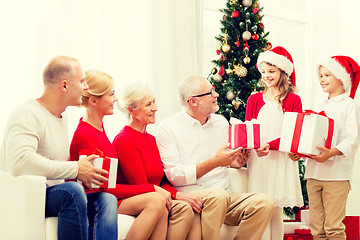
{"x":345,"y":113}
{"x":183,"y":143}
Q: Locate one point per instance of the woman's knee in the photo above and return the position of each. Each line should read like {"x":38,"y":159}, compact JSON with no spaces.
{"x":156,"y":201}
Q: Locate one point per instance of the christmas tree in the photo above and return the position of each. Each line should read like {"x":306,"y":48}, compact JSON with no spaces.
{"x":235,"y":74}
{"x":242,"y":39}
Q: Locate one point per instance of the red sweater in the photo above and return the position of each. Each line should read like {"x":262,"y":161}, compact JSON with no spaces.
{"x":139,"y":158}
{"x":90,"y":138}
{"x":291,"y":103}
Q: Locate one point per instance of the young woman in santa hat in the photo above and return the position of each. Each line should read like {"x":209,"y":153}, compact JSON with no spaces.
{"x":272,"y":172}
{"x":329,"y":173}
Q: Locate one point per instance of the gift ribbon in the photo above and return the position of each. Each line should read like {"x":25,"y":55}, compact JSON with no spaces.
{"x":298,"y":127}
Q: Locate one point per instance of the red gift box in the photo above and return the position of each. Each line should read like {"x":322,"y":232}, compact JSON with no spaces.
{"x":246,"y":135}
{"x":108,"y":164}
{"x":302,"y":231}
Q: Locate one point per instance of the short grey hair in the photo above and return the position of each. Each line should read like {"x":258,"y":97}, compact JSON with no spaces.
{"x":132,"y":95}
{"x":188,"y":87}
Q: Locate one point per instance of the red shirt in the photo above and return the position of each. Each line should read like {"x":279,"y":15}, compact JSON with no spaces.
{"x":89,"y":138}
{"x":140,"y":160}
{"x":291,"y":103}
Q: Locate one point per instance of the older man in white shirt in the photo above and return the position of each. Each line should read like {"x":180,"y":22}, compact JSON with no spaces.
{"x":193,"y":145}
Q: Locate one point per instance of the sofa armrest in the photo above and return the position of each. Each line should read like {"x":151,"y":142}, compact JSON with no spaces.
{"x":22,"y":206}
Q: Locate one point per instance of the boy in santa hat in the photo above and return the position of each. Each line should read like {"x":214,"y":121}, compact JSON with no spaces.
{"x":329,"y":173}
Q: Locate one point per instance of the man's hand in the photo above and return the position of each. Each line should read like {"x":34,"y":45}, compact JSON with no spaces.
{"x":241,"y":159}
{"x":89,"y":174}
{"x":225,"y":157}
{"x":263,"y":151}
{"x":166,"y":195}
{"x":194,"y":200}
{"x":294,"y":157}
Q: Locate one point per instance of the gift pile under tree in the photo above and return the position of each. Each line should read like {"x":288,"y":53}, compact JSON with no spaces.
{"x":235,"y":75}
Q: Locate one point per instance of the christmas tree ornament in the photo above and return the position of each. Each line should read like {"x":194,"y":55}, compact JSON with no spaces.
{"x":254,"y":29}
{"x":221,"y":71}
{"x":233,"y":2}
{"x":247,"y":3}
{"x":230,"y":95}
{"x":255,"y":36}
{"x":262,"y":25}
{"x":255,"y":10}
{"x":268,"y":46}
{"x":226,"y":47}
{"x":218,"y":51}
{"x":242,"y":25}
{"x":236,"y":104}
{"x":213,"y":71}
{"x":240,"y":70}
{"x":217,"y":78}
{"x":235,"y":14}
{"x":257,"y":4}
{"x":224,"y":18}
{"x":228,"y":71}
{"x":246,"y":60}
{"x":247,"y":15}
{"x":246,"y":35}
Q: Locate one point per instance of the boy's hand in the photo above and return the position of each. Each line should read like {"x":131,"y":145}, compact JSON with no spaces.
{"x":294,"y":157}
{"x":325,"y":154}
{"x":263,"y":151}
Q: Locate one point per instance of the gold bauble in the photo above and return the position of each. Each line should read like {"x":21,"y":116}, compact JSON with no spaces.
{"x":246,"y":35}
{"x":228,"y":71}
{"x":233,"y":1}
{"x":247,"y":3}
{"x":246,"y":60}
{"x":226,"y":47}
{"x":240,"y":70}
{"x":257,"y":4}
{"x":236,"y":104}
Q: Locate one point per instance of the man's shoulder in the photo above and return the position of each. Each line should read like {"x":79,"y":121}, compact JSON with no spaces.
{"x":172,"y":120}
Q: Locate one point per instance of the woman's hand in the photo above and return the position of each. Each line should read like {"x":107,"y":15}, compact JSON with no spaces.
{"x":325,"y":154}
{"x":194,"y":200}
{"x":263,"y":151}
{"x":166,"y":195}
{"x":294,"y":157}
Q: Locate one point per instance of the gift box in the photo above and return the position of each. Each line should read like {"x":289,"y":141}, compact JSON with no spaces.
{"x":108,"y":164}
{"x":302,"y":132}
{"x":246,"y":135}
{"x":302,"y":231}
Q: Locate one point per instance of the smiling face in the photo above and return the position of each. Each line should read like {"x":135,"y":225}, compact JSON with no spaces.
{"x":270,"y":75}
{"x":105,"y":103}
{"x":207,"y":104}
{"x":145,"y":110}
{"x":329,"y":83}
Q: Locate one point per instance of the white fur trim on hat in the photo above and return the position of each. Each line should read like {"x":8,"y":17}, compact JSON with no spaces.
{"x":338,"y":71}
{"x":277,"y":60}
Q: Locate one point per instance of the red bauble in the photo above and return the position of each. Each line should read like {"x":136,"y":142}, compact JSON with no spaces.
{"x":221,"y":71}
{"x":218,"y":51}
{"x":255,"y":36}
{"x":262,"y":25}
{"x":235,"y":14}
{"x":255,"y":10}
{"x":237,"y":43}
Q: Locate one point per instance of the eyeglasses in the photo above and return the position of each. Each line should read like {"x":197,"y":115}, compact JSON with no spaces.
{"x":212,"y":93}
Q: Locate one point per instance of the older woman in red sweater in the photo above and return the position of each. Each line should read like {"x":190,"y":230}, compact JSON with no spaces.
{"x":137,"y":200}
{"x":140,"y":162}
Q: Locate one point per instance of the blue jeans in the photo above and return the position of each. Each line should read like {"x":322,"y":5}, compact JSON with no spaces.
{"x":82,"y":216}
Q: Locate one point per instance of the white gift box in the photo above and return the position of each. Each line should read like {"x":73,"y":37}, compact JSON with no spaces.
{"x":108,"y":164}
{"x":303,"y":132}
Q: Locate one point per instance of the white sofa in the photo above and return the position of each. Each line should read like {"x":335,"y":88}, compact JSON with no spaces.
{"x":22,"y":208}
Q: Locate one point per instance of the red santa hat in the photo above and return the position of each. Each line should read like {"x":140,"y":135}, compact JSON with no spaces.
{"x":346,"y":70}
{"x":281,"y":58}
